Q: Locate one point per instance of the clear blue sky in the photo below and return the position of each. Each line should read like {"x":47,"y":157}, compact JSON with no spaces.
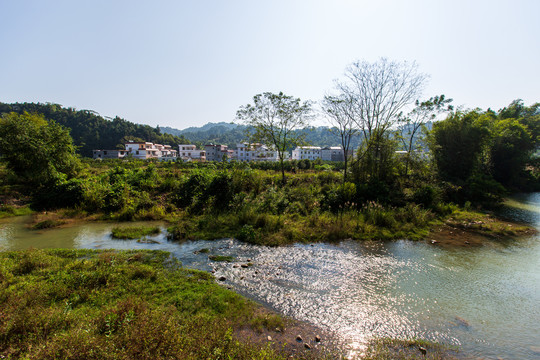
{"x":186,"y":63}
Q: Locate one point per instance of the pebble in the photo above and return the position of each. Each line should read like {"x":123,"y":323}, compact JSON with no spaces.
{"x":307,"y":346}
{"x":422,"y":350}
{"x":244,"y":266}
{"x":299,"y":338}
{"x":317,"y":338}
{"x":269,"y":338}
{"x":222,"y":278}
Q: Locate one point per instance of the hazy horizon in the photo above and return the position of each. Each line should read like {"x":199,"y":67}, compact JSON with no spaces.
{"x":183,"y":64}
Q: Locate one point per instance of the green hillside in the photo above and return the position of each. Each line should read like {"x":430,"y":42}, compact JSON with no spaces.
{"x":90,"y":130}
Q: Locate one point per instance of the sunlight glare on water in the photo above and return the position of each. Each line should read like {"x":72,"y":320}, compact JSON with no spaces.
{"x":484,"y":300}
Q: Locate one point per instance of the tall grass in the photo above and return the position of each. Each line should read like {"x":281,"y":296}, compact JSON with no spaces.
{"x":83,"y":304}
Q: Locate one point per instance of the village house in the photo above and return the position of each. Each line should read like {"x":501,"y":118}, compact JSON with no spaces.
{"x":218,"y":152}
{"x":189,"y":152}
{"x":139,"y":150}
{"x":306,"y":153}
{"x":254,"y":152}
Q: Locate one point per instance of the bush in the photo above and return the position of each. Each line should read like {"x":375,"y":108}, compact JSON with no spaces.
{"x":247,"y":234}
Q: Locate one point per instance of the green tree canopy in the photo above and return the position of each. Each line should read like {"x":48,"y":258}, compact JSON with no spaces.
{"x":36,"y":150}
{"x":457,"y":143}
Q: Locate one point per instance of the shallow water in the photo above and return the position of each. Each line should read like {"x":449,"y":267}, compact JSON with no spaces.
{"x":485,"y":300}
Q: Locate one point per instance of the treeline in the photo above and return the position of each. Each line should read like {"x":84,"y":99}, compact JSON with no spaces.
{"x":91,"y":131}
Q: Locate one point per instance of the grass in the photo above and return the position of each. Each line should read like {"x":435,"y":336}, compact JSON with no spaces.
{"x":484,"y":224}
{"x":375,"y":222}
{"x":47,"y":224}
{"x":134,"y":232}
{"x":85,"y":304}
{"x":9,"y":211}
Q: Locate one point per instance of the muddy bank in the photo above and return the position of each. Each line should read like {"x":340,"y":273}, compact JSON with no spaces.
{"x":296,"y":338}
{"x":476,"y":233}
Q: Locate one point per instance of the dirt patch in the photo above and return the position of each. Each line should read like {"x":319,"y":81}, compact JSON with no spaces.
{"x":297,"y":339}
{"x":476,"y":233}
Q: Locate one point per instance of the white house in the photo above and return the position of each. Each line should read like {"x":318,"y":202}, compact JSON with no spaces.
{"x":306,"y":152}
{"x":255,"y":152}
{"x":143,"y":150}
{"x":167,"y":152}
{"x":188,"y":152}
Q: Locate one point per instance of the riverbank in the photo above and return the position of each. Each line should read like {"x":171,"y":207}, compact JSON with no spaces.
{"x":133,"y":304}
{"x":473,"y":229}
{"x":144,"y":305}
{"x":459,"y":228}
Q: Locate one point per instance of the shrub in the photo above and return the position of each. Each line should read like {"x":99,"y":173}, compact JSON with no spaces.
{"x":247,"y":234}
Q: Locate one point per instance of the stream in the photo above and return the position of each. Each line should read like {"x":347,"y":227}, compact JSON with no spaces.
{"x":485,"y":300}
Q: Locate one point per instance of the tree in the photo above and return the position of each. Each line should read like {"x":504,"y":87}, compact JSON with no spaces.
{"x":511,"y":149}
{"x":378,"y":92}
{"x":422,"y":113}
{"x":457,"y":144}
{"x":37,"y":151}
{"x":273,"y":118}
{"x":340,"y":116}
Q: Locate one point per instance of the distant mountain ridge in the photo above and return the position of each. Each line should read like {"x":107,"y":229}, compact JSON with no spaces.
{"x":205,"y":127}
{"x":230,"y":134}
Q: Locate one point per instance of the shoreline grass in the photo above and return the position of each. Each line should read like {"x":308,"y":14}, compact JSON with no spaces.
{"x":134,"y":232}
{"x":88,"y":304}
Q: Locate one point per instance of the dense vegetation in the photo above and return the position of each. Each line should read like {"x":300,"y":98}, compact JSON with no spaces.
{"x":476,"y":157}
{"x":90,"y":131}
{"x":84,"y":304}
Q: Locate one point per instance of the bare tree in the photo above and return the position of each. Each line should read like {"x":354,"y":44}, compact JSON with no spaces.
{"x":273,"y":118}
{"x":423,"y":112}
{"x":379,"y":92}
{"x":339,"y":113}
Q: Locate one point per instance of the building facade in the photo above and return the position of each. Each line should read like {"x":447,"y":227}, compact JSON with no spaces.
{"x":218,"y":152}
{"x":306,"y":152}
{"x":189,"y":152}
{"x":254,"y":152}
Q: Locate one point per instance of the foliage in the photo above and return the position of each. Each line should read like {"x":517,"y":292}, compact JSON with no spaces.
{"x":91,"y":131}
{"x":457,"y":143}
{"x":37,"y":151}
{"x":273,"y":118}
{"x":84,"y":304}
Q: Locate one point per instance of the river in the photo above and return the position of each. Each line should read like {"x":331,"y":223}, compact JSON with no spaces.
{"x":485,"y":300}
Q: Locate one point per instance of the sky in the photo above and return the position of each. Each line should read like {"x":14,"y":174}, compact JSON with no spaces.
{"x":186,"y":63}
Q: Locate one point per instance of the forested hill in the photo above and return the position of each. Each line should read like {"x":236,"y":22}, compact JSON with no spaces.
{"x":91,"y":131}
{"x":231,"y":134}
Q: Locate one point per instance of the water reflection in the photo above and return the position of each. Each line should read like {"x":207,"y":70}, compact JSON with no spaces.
{"x":484,"y":300}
